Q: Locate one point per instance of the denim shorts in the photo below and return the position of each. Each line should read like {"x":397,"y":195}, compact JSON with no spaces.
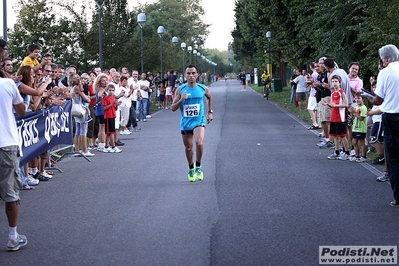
{"x":10,"y":179}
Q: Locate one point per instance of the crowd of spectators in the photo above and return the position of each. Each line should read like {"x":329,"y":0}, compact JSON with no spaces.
{"x":114,"y":102}
{"x":342,"y":109}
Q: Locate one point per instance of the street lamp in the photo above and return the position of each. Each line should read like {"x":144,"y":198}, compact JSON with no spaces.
{"x":100,"y":32}
{"x":189,"y":49}
{"x":175,"y":40}
{"x":183,"y":47}
{"x":141,"y":20}
{"x":195,"y":57}
{"x":269,"y":66}
{"x":161,"y":31}
{"x":5,"y":20}
{"x":198,"y":55}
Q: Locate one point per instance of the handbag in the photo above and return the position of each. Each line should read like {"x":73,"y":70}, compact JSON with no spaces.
{"x":77,"y":109}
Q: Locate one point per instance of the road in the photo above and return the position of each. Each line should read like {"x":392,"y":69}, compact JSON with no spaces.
{"x":269,"y":197}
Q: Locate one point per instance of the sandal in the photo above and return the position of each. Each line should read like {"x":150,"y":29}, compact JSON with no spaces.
{"x":49,"y":172}
{"x":27,"y":187}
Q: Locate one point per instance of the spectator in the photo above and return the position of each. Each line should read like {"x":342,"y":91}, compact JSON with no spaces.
{"x":79,"y":96}
{"x":359,"y":128}
{"x":338,"y":104}
{"x":376,"y":138}
{"x":133,"y":85}
{"x":387,"y":93}
{"x":7,"y":65}
{"x":312,"y":101}
{"x":116,"y":78}
{"x":99,"y":87}
{"x":294,"y":86}
{"x":110,"y":107}
{"x":143,"y":101}
{"x":301,"y":89}
{"x":125,"y":105}
{"x":32,"y":58}
{"x":92,"y":127}
{"x":324,"y":110}
{"x":10,"y":181}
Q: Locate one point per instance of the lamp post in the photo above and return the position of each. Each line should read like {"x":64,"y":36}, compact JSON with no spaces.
{"x":5,"y":20}
{"x":141,"y":20}
{"x":100,"y":32}
{"x":269,"y":65}
{"x":161,"y":31}
{"x":189,"y":49}
{"x":183,"y":47}
{"x":198,"y":55}
{"x":175,"y":40}
{"x":195,"y":57}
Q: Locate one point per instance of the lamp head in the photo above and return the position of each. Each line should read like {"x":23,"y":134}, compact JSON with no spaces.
{"x":141,"y":19}
{"x":161,"y":31}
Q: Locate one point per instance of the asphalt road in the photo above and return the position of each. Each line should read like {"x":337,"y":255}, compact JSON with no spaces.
{"x":269,"y":197}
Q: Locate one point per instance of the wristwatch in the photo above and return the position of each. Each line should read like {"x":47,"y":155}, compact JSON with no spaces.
{"x":210,"y":111}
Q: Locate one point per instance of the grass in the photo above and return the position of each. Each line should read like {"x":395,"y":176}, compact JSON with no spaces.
{"x":283,"y":99}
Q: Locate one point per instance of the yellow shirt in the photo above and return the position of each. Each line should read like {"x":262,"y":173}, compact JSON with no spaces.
{"x":28,"y":61}
{"x":265,"y":77}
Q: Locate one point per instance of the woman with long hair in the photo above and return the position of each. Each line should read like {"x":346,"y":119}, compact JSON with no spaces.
{"x":99,"y":86}
{"x":80,"y":122}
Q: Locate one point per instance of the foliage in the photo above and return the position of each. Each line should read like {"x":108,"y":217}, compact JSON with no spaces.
{"x":69,"y":30}
{"x":350,"y":30}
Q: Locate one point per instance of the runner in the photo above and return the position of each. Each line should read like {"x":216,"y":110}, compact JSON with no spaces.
{"x":189,"y":98}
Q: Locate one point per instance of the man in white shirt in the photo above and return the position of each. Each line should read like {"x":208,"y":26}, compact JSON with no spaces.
{"x":387,"y":92}
{"x":301,"y":89}
{"x":133,"y":84}
{"x":10,"y":180}
{"x":116,"y":77}
{"x":143,"y":100}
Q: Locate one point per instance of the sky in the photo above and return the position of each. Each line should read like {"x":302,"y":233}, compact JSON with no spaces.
{"x":218,"y":13}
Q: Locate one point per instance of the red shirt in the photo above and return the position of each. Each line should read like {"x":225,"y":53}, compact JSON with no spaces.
{"x":110,"y":112}
{"x":92,"y":93}
{"x":337,"y":113}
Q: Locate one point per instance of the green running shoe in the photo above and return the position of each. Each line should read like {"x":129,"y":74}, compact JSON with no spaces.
{"x":199,"y":173}
{"x":191,"y":176}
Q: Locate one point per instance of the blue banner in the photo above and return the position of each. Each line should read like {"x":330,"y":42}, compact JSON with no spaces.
{"x":41,"y":130}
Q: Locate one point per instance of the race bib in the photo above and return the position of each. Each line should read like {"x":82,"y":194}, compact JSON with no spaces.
{"x":191,"y":110}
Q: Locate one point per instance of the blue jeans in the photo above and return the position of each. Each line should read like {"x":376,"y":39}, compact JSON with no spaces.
{"x":292,"y":94}
{"x":142,"y":108}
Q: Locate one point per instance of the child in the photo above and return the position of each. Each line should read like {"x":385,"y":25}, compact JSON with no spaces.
{"x":359,"y":128}
{"x":168,"y":94}
{"x":32,"y":58}
{"x":110,"y":106}
{"x":161,"y":97}
{"x":337,"y":119}
{"x":376,"y":138}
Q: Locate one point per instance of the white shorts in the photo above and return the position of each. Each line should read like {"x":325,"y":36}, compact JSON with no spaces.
{"x":312,"y":103}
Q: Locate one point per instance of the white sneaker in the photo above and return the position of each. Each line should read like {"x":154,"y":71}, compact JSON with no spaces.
{"x":127,"y":132}
{"x":352,"y":158}
{"x":47,"y":175}
{"x":88,"y":154}
{"x":107,"y":150}
{"x":352,"y":153}
{"x":361,"y":160}
{"x":148,"y":116}
{"x":32,"y":181}
{"x":116,"y":150}
{"x":122,"y":132}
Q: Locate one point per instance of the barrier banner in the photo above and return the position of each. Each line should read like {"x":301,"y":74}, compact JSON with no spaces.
{"x":41,"y":130}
